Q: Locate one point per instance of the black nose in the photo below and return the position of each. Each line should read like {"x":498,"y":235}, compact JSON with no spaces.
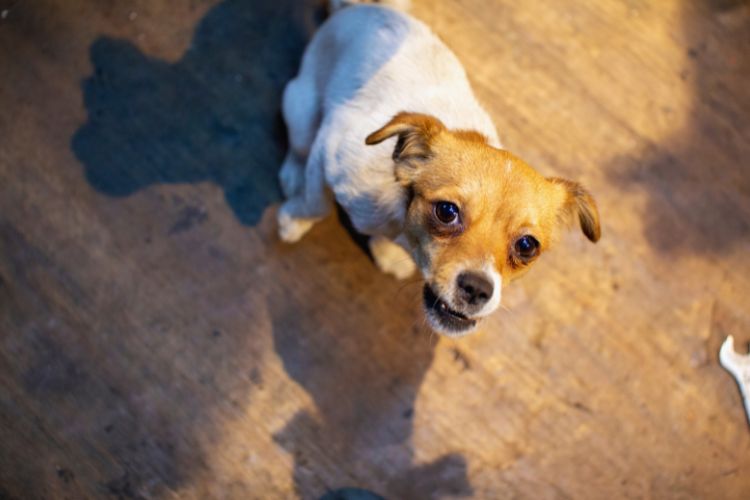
{"x":474,"y":289}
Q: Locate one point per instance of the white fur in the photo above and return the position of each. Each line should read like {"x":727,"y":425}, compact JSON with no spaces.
{"x":396,"y":4}
{"x":497,"y":290}
{"x":364,"y":65}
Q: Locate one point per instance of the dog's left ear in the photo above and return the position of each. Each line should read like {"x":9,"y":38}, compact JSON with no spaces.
{"x":415,"y":133}
{"x":579,"y":203}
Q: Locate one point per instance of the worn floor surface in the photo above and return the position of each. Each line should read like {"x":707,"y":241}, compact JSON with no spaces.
{"x":157,"y":341}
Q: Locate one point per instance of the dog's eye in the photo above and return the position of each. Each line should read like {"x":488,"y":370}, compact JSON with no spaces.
{"x":527,"y":247}
{"x":446,"y":212}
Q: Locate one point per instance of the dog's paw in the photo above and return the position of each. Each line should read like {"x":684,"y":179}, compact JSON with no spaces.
{"x":292,"y":229}
{"x":391,"y":258}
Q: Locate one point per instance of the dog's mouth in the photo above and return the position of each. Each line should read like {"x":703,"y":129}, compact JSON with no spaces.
{"x":444,"y":319}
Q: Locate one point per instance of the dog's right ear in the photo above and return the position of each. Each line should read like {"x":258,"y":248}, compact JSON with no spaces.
{"x":415,"y":133}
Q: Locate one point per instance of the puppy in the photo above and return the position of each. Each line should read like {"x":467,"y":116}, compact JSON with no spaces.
{"x":382,"y":119}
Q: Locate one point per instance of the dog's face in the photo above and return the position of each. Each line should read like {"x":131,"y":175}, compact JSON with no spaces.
{"x":477,"y":217}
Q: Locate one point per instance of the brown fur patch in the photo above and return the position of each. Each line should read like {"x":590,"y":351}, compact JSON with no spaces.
{"x":500,"y":199}
{"x":415,"y":132}
{"x":470,"y":135}
{"x":582,"y":204}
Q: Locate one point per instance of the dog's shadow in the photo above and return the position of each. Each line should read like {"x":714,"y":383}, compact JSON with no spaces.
{"x":214,"y":116}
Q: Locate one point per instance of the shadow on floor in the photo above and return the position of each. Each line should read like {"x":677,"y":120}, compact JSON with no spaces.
{"x":698,"y":181}
{"x":363,"y":370}
{"x":212,"y":116}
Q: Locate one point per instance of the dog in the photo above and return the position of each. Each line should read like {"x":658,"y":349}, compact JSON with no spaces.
{"x":382,"y":120}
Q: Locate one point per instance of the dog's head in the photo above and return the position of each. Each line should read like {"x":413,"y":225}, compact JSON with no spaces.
{"x":477,"y":216}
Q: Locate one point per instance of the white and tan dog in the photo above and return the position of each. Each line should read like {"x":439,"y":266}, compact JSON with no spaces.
{"x":382,"y":119}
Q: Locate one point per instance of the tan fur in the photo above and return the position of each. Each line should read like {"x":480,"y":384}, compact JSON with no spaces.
{"x":499,"y":196}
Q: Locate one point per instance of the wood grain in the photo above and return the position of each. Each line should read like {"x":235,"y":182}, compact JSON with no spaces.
{"x":157,"y":341}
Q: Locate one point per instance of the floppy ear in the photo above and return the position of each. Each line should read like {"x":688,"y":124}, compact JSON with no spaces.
{"x":415,"y":132}
{"x":578,"y":202}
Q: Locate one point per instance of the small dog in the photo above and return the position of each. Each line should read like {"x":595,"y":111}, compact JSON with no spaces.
{"x":382,"y":119}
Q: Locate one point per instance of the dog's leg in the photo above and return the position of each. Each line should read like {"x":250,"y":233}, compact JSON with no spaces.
{"x":302,"y":174}
{"x":313,"y":201}
{"x":292,"y":174}
{"x":391,"y":257}
{"x":301,"y":112}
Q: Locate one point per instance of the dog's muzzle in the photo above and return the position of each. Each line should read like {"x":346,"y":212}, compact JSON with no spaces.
{"x":443,"y":318}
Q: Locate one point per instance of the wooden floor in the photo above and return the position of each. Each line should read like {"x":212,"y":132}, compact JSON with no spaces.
{"x":157,"y":341}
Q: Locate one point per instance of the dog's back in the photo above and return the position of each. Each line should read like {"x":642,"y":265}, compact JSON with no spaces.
{"x":366,"y":64}
{"x":403,"y":5}
{"x":381,"y":61}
